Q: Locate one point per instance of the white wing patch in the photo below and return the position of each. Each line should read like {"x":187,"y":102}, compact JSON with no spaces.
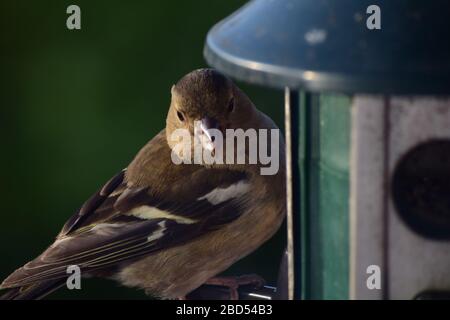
{"x":148,"y":213}
{"x":219,"y":195}
{"x":106,"y":229}
{"x":158,"y":233}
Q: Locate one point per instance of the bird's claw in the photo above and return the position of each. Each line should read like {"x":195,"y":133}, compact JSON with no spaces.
{"x":225,"y":287}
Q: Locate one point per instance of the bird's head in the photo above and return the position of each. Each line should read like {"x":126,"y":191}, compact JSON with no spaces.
{"x":204,"y":101}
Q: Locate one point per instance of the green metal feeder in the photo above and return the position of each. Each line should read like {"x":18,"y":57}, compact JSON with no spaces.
{"x":367,"y":115}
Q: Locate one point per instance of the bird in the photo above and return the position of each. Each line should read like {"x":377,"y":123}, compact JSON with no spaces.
{"x":168,"y":228}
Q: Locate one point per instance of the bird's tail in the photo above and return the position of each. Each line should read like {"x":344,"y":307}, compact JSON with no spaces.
{"x":33,"y":291}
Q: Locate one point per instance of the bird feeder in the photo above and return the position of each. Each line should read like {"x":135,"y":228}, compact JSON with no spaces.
{"x":367,"y":119}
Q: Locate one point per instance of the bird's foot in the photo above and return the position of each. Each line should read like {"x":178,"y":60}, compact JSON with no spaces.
{"x":233,"y":283}
{"x":225,"y":287}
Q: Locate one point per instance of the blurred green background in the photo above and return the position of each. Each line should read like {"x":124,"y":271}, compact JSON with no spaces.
{"x":76,"y":106}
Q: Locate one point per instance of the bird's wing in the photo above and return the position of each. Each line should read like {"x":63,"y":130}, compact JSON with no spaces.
{"x":121,"y":222}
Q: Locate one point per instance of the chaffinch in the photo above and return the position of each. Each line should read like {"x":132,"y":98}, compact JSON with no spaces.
{"x":170,"y":227}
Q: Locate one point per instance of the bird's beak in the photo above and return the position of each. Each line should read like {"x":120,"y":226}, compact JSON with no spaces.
{"x":208,"y":124}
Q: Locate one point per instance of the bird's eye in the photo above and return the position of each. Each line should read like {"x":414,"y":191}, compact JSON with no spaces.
{"x":180,"y":116}
{"x":231,"y":105}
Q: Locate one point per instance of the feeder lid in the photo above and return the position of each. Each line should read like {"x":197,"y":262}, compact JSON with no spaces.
{"x":325,"y":45}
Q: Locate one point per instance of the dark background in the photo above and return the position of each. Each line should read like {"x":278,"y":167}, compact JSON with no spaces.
{"x":76,"y":106}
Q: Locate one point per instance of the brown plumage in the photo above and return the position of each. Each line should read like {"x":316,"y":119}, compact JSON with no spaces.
{"x":163,"y":227}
